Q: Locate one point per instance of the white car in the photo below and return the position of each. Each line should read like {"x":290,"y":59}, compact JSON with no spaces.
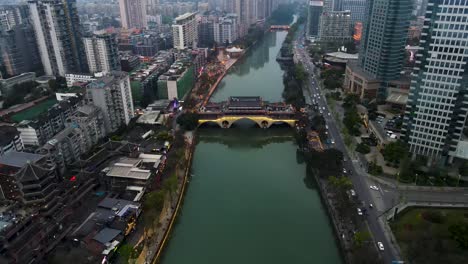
{"x":373,"y":187}
{"x":333,"y":141}
{"x":380,"y":245}
{"x":359,"y":212}
{"x":344,"y":171}
{"x":353,"y":193}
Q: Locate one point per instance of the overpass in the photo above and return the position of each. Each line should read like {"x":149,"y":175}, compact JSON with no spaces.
{"x":252,"y":108}
{"x":279,"y":27}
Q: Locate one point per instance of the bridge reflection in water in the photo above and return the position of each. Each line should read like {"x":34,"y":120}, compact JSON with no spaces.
{"x":253,"y":108}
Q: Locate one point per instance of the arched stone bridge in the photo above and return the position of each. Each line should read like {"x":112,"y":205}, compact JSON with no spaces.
{"x":252,"y":108}
{"x":261,"y":121}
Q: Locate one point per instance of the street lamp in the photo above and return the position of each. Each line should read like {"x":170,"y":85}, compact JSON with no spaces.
{"x":416,"y":181}
{"x":458,"y":182}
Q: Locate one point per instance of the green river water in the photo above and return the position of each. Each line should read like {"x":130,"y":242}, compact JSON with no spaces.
{"x":250,"y":200}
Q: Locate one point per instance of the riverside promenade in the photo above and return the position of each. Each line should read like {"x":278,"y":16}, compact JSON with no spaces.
{"x":228,"y":63}
{"x":168,"y":216}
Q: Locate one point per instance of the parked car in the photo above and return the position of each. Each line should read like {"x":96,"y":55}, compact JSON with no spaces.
{"x":373,"y":187}
{"x":359,"y":212}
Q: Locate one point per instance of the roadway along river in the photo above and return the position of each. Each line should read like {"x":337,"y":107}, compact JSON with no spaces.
{"x":250,"y":200}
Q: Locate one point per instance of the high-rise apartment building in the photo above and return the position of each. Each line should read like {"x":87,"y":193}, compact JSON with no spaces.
{"x":437,"y":107}
{"x":315,"y":9}
{"x":18,"y":48}
{"x":102,"y":52}
{"x":328,"y":5}
{"x":112,"y":94}
{"x":335,"y":26}
{"x":206,"y":32}
{"x":152,"y":7}
{"x":357,"y":8}
{"x":13,"y":15}
{"x":382,"y":48}
{"x":133,"y":13}
{"x":225,"y":31}
{"x":185,"y":31}
{"x":58,"y":36}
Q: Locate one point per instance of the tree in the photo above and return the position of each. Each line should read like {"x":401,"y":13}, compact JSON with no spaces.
{"x":363,"y":148}
{"x":164,"y":136}
{"x":395,"y":151}
{"x":360,"y":237}
{"x":154,"y":201}
{"x":340,"y":183}
{"x":463,"y":170}
{"x":374,"y":169}
{"x":127,"y":252}
{"x":301,"y":138}
{"x":188,"y":121}
{"x":459,"y":233}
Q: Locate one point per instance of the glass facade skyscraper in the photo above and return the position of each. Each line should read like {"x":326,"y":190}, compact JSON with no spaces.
{"x":313,"y":18}
{"x":437,"y":106}
{"x":384,"y":36}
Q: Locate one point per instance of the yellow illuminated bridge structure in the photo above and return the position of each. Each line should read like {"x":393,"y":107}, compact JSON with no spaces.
{"x":252,"y":108}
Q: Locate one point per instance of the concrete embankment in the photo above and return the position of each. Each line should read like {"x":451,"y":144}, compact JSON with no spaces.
{"x":344,"y":247}
{"x":167,"y":233}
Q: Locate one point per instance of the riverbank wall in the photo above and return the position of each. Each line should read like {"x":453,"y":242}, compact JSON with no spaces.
{"x":344,"y":247}
{"x":180,"y":199}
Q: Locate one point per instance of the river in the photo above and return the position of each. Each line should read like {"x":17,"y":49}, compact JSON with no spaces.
{"x":250,"y":200}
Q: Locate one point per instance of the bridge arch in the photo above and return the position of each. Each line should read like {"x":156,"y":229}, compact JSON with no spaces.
{"x":261,"y":121}
{"x":207,"y":123}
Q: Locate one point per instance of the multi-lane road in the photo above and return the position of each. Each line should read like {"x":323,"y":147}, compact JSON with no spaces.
{"x":384,"y":197}
{"x":352,"y":165}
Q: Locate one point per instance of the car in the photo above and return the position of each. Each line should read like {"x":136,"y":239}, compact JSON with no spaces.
{"x":373,"y":187}
{"x":380,"y":245}
{"x":359,"y":211}
{"x":344,"y":171}
{"x":329,"y":114}
{"x":333,"y":141}
{"x":353,"y":193}
{"x":371,"y":205}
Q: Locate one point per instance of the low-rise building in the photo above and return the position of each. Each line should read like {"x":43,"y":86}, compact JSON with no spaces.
{"x":129,"y":62}
{"x":38,"y":131}
{"x":144,"y":80}
{"x":22,"y":78}
{"x":128,"y":172}
{"x":28,"y":178}
{"x":77,"y":79}
{"x":359,"y":82}
{"x":177,"y":81}
{"x":339,"y":59}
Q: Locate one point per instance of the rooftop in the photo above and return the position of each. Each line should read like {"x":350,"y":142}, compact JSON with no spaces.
{"x":127,"y":168}
{"x":342,"y":55}
{"x":397,"y":98}
{"x":19,"y":159}
{"x":106,"y":235}
{"x":184,"y":16}
{"x":149,"y":117}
